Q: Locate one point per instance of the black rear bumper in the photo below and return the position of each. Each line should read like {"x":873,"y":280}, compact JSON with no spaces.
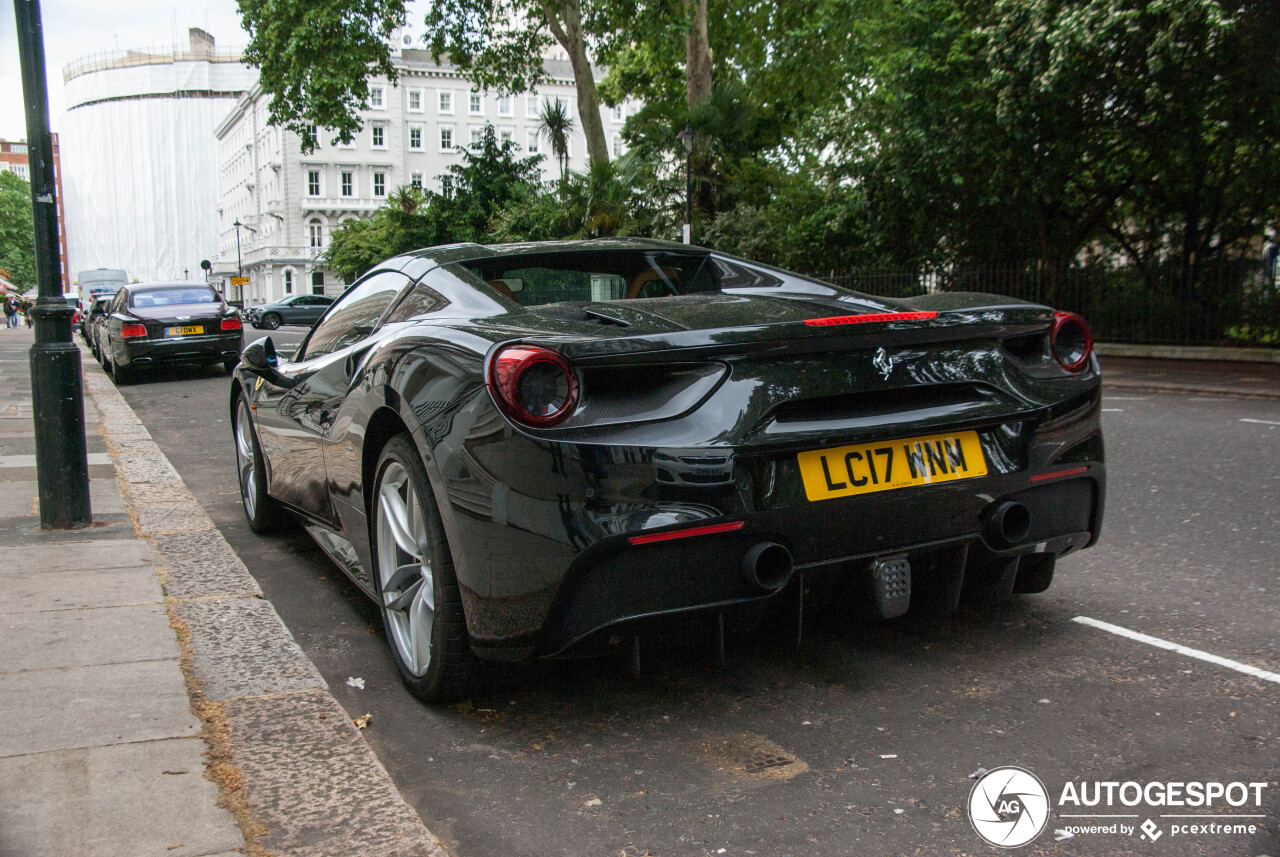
{"x":214,"y":348}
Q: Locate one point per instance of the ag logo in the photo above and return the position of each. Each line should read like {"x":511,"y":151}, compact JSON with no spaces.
{"x":1009,"y":807}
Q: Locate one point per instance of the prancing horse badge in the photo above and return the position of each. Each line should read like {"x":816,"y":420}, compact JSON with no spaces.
{"x":884,"y":363}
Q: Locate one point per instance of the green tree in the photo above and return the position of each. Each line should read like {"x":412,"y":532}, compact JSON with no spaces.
{"x":489,"y":179}
{"x":17,"y":231}
{"x":501,"y":44}
{"x":555,"y":123}
{"x":315,"y":57}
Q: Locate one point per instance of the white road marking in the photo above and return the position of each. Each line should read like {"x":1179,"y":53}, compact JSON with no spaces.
{"x":1260,"y":422}
{"x":1126,"y":398}
{"x":1180,"y":649}
{"x":1113,"y":410}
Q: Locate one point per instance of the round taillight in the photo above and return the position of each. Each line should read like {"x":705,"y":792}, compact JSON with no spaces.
{"x":1071,"y":341}
{"x":535,"y":386}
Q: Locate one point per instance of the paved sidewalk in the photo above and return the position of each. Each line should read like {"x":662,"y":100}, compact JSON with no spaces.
{"x":100,"y":753}
{"x":154,"y":702}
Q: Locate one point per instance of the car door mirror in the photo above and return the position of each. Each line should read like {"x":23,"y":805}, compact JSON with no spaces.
{"x":260,"y":358}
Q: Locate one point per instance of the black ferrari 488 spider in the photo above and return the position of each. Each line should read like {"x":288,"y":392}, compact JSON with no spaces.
{"x":574,"y":448}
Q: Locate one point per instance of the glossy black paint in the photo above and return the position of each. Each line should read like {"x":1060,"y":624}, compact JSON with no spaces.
{"x":693,"y":411}
{"x":157,"y":347}
{"x":297,"y":309}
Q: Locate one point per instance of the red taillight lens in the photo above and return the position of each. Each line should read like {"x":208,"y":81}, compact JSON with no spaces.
{"x":1071,"y":341}
{"x":231,"y":324}
{"x":128,"y":330}
{"x":535,"y":386}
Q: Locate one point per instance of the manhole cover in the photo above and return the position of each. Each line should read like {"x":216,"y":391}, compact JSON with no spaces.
{"x":760,"y":760}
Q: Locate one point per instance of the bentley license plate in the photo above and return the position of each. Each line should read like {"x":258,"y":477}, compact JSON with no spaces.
{"x":184,"y":330}
{"x":888,"y":465}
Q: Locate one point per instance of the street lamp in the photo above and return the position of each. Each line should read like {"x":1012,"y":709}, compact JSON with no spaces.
{"x":239,"y":266}
{"x":687,"y":137}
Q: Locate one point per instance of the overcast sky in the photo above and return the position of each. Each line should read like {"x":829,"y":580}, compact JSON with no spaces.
{"x":75,"y":28}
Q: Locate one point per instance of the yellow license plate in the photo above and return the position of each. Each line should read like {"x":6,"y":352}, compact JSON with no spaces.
{"x":185,"y":330}
{"x":888,"y":465}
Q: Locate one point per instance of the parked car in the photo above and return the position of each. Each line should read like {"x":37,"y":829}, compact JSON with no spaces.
{"x":548,"y":450}
{"x":298,"y":309}
{"x":93,"y":323}
{"x":152,"y":324}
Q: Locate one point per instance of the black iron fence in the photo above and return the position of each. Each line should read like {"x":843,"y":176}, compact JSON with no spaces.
{"x":1233,"y":302}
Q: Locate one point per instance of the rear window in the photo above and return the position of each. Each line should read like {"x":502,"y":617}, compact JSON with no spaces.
{"x":172,"y":297}
{"x":611,"y":275}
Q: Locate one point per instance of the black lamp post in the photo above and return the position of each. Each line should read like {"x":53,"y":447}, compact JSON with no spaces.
{"x":687,"y":137}
{"x":239,"y":266}
{"x":57,"y":398}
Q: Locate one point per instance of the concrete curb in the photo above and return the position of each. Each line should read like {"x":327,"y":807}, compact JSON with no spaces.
{"x":310,"y":780}
{"x":1189,"y":352}
{"x":1152,"y":386}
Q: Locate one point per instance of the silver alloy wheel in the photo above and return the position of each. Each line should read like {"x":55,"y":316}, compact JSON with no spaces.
{"x":245,"y":459}
{"x":405,"y":577}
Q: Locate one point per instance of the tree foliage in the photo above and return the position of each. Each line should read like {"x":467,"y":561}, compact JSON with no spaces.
{"x":17,"y":231}
{"x":315,"y":58}
{"x":489,"y":179}
{"x":501,"y":45}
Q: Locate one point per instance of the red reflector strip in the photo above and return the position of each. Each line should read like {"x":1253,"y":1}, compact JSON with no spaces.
{"x":862,"y":319}
{"x":1058,"y":474}
{"x":231,"y":324}
{"x":129,"y":330}
{"x":684,"y":534}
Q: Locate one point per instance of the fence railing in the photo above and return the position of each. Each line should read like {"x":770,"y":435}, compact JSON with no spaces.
{"x":1232,"y":302}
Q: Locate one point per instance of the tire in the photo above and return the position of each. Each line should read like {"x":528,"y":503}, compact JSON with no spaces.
{"x":270,"y":321}
{"x":122,"y":376}
{"x":264,"y":512}
{"x":413,"y":573}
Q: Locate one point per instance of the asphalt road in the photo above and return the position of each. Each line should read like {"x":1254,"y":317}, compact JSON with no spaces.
{"x":883,"y":722}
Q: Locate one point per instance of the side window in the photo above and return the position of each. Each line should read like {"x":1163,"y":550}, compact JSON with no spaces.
{"x":118,"y":301}
{"x":420,"y":300}
{"x":355,"y":314}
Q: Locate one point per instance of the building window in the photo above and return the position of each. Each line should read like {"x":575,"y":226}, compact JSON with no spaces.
{"x":316,"y":231}
{"x":348,"y":183}
{"x":288,"y":281}
{"x":415,"y":100}
{"x":476,"y":104}
{"x":415,"y":179}
{"x":314,"y":131}
{"x":446,"y":101}
{"x":617,"y":146}
{"x":313,"y":182}
{"x":18,"y":148}
{"x":376,"y":97}
{"x":446,"y":139}
{"x":531,"y":106}
{"x":506,"y":135}
{"x":617,"y":113}
{"x":477,"y":137}
{"x":533,"y":141}
{"x":379,"y":183}
{"x":21,"y":171}
{"x":504,"y":105}
{"x":379,"y":137}
{"x":415,"y":137}
{"x":317,"y":283}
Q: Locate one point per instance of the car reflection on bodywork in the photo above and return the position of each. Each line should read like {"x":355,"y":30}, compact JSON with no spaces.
{"x":581,"y":448}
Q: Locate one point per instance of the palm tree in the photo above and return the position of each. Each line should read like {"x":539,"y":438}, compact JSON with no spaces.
{"x":555,"y":123}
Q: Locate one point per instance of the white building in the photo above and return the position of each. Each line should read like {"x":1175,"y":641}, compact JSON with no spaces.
{"x":287,"y":203}
{"x":138,"y":156}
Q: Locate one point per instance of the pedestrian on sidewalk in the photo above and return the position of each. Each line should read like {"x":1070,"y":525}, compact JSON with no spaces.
{"x":10,"y":312}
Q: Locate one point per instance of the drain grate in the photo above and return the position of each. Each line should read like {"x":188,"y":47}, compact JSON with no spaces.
{"x":760,"y":761}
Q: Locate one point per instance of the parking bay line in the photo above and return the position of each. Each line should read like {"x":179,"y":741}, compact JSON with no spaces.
{"x":1260,"y":422}
{"x":1180,"y":649}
